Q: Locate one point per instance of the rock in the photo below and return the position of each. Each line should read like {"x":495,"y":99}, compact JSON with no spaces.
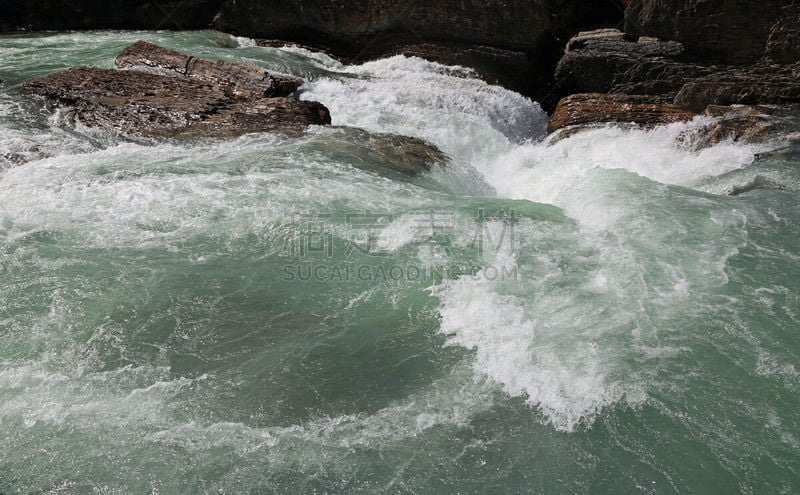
{"x":604,"y":61}
{"x":755,"y":124}
{"x":513,"y":42}
{"x":203,"y":98}
{"x":239,"y":80}
{"x":594,"y":108}
{"x":107,"y":14}
{"x":364,"y":149}
{"x":718,"y":32}
{"x":510,"y":68}
{"x":749,"y":85}
{"x":783,"y":45}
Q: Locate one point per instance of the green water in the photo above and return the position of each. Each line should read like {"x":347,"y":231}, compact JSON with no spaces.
{"x":287,"y":315}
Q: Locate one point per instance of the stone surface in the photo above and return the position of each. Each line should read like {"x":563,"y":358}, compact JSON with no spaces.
{"x":756,"y":124}
{"x":199,"y":98}
{"x":364,"y":149}
{"x":604,"y":61}
{"x":719,"y":32}
{"x":514,"y":42}
{"x":239,"y":80}
{"x":783,"y":45}
{"x":749,"y":85}
{"x":594,"y":108}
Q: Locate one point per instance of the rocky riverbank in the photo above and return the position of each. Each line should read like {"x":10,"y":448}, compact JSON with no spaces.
{"x":682,"y":54}
{"x":654,"y":60}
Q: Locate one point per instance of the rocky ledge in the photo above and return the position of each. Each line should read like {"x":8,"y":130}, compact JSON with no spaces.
{"x":164,"y":93}
{"x":610,"y":76}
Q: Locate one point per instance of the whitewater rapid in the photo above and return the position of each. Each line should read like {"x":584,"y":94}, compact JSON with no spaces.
{"x":147,"y":324}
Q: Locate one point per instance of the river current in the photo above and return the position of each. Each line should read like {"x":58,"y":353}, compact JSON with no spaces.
{"x":268,"y":314}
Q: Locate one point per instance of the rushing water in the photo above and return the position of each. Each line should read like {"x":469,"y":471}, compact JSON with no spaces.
{"x":287,"y":315}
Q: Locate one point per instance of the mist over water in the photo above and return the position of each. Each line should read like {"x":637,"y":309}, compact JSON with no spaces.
{"x":594,"y":314}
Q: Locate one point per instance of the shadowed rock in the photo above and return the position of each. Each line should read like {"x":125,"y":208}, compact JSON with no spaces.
{"x":202,"y":98}
{"x":749,"y":85}
{"x":604,"y":61}
{"x":594,"y":108}
{"x":720,"y":32}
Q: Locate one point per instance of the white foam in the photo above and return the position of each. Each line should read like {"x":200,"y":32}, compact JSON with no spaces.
{"x":467,"y":118}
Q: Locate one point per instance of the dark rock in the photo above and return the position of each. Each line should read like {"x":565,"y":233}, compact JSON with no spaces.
{"x":239,"y":80}
{"x":783,"y":46}
{"x":589,"y":109}
{"x":515,"y":43}
{"x":604,"y":61}
{"x":749,"y":85}
{"x":719,"y":32}
{"x":202,"y":98}
{"x":107,"y":14}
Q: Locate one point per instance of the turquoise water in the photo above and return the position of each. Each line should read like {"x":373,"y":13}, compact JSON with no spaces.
{"x":288,"y":315}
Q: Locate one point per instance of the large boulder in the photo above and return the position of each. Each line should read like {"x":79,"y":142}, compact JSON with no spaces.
{"x":716,"y":31}
{"x":197,"y":100}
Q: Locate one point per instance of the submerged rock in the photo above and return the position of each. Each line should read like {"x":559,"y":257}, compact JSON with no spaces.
{"x":408,"y":155}
{"x":202,"y":98}
{"x":756,"y":124}
{"x":595,"y":108}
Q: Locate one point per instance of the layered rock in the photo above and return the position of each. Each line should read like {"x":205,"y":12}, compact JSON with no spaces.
{"x":722,"y":32}
{"x":202,"y":98}
{"x":743,"y":85}
{"x":657,"y":72}
{"x":595,"y":108}
{"x":239,"y":80}
{"x":605,"y":61}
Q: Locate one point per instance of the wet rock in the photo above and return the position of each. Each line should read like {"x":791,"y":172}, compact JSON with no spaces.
{"x":201,"y":98}
{"x":595,"y":108}
{"x":755,"y":124}
{"x":364,"y":149}
{"x":240,"y":80}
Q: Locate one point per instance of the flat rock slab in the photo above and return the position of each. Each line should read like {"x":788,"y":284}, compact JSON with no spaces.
{"x":595,"y":108}
{"x":239,"y":80}
{"x":202,"y":99}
